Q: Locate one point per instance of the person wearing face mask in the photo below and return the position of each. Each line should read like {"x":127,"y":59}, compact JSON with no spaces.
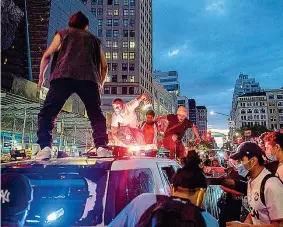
{"x":264,"y":192}
{"x":178,"y":124}
{"x":125,"y":120}
{"x":274,"y":150}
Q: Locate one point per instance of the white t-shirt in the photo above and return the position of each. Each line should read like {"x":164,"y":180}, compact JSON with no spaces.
{"x":279,"y":171}
{"x":273,"y":192}
{"x":128,"y":116}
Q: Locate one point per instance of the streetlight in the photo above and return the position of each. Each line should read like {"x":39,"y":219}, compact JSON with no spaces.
{"x":213,"y":113}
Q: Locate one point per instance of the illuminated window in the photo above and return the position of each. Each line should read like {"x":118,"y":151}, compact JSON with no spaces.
{"x":115,"y":44}
{"x":115,"y":55}
{"x":132,"y":44}
{"x":108,"y":43}
{"x":115,"y":33}
{"x":115,"y":22}
{"x":126,"y":12}
{"x":116,"y":12}
{"x":109,"y":22}
{"x":125,"y":55}
{"x":109,"y":12}
{"x":107,"y":55}
{"x":125,"y":44}
{"x":132,"y":12}
{"x":132,"y":55}
{"x":125,"y":22}
{"x":126,"y":2}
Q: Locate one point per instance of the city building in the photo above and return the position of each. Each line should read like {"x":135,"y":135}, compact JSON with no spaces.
{"x":243,"y":85}
{"x":192,"y":111}
{"x":183,"y":101}
{"x":202,"y":120}
{"x":252,"y":110}
{"x":29,"y":28}
{"x":275,"y":108}
{"x":163,"y":102}
{"x":125,"y":28}
{"x":169,"y":80}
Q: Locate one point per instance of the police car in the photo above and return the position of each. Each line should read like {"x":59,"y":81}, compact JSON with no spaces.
{"x":81,"y":191}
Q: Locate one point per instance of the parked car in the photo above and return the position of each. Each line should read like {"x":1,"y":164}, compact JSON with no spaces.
{"x":80,"y":191}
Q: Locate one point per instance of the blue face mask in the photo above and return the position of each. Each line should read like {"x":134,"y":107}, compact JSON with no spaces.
{"x":272,"y":157}
{"x":242,"y":170}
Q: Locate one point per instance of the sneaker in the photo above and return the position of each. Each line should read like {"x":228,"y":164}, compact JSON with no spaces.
{"x":44,"y":154}
{"x":103,"y":152}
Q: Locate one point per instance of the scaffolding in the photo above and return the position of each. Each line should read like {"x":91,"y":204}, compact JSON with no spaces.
{"x":19,"y":117}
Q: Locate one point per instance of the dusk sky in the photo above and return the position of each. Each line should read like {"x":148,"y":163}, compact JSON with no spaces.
{"x":210,"y":42}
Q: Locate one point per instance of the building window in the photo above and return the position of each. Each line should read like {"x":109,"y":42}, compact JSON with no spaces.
{"x":271,"y":96}
{"x":131,"y":90}
{"x":280,"y":103}
{"x":116,"y":2}
{"x":124,"y":90}
{"x":125,"y":22}
{"x":132,"y":2}
{"x":99,"y":22}
{"x":108,"y":43}
{"x":124,"y":67}
{"x":106,"y":90}
{"x":126,"y":2}
{"x":125,"y":44}
{"x":93,"y":11}
{"x":124,"y":78}
{"x":125,"y":55}
{"x":132,"y":67}
{"x":107,"y":55}
{"x":116,"y":12}
{"x":109,"y":66}
{"x":132,"y":12}
{"x":126,"y":12}
{"x":132,"y":33}
{"x":109,"y":2}
{"x":256,"y":111}
{"x":250,"y":111}
{"x":132,"y":44}
{"x":109,"y":12}
{"x":132,"y":79}
{"x":115,"y":44}
{"x":115,"y":33}
{"x":114,"y":78}
{"x":250,"y":118}
{"x":99,"y":33}
{"x":279,"y":96}
{"x":99,"y":2}
{"x":99,"y":11}
{"x":115,"y":55}
{"x":132,"y":22}
{"x":125,"y":33}
{"x":108,"y":33}
{"x":115,"y":22}
{"x":262,"y":110}
{"x":243,"y":111}
{"x":132,"y":55}
{"x":114,"y":90}
{"x":109,"y":22}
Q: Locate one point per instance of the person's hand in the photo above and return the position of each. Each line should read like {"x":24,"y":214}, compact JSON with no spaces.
{"x":174,"y":137}
{"x":237,"y":224}
{"x":41,"y":82}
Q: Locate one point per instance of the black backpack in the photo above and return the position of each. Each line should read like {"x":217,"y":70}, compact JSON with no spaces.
{"x":170,"y":212}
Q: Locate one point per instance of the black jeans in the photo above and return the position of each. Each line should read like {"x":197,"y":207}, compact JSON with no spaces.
{"x":60,"y":90}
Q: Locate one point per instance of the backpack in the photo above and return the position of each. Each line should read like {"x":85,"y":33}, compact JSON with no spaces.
{"x":262,"y":186}
{"x":171,"y":212}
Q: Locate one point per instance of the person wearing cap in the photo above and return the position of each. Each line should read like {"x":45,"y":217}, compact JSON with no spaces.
{"x":174,"y":133}
{"x":125,"y":122}
{"x":274,"y":150}
{"x":265,"y":200}
{"x":16,"y":196}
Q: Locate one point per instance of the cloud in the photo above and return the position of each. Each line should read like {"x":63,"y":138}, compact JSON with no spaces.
{"x":173,"y":52}
{"x":217,"y":7}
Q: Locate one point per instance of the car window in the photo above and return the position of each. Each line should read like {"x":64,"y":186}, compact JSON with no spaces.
{"x":123,"y":187}
{"x":168,"y":170}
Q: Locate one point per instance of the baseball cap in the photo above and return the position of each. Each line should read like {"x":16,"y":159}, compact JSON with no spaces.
{"x":17,"y":193}
{"x":248,"y":149}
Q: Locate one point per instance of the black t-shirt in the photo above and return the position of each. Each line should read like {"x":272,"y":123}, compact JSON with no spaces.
{"x":180,"y":130}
